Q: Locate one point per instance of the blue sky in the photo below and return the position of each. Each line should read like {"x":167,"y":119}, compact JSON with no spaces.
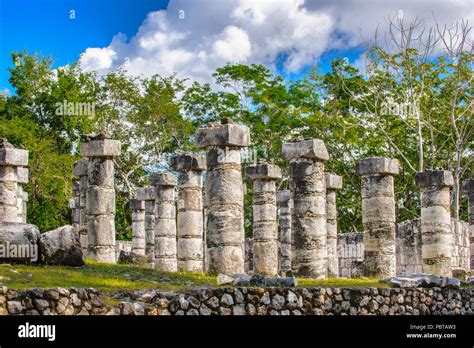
{"x":194,"y":37}
{"x":45,"y":26}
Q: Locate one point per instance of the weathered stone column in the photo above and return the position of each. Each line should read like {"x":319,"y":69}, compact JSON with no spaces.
{"x":265,"y":227}
{"x":22,"y":174}
{"x":333,"y":183}
{"x":138,"y":226}
{"x":190,"y":212}
{"x":224,"y":196}
{"x":378,"y":215}
{"x":248,"y":243}
{"x":165,"y":222}
{"x":468,"y":189}
{"x":148,"y":195}
{"x":285,"y":206}
{"x":10,"y":160}
{"x":74,"y":204}
{"x":19,"y":202}
{"x":24,"y":207}
{"x":100,"y":204}
{"x":80,"y":170}
{"x":436,"y":233}
{"x":308,"y":186}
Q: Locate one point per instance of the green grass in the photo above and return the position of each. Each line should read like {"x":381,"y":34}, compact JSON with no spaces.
{"x":106,"y":277}
{"x":113,"y":278}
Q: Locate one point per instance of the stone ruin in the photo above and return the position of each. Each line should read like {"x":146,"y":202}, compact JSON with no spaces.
{"x":181,"y":224}
{"x":21,"y":242}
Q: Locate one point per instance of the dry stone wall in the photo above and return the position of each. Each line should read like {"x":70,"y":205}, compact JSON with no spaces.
{"x":241,"y":301}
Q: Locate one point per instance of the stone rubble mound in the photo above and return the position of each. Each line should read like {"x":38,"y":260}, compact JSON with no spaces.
{"x":420,"y":280}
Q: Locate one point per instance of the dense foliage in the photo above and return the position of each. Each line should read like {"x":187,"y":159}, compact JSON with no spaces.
{"x":405,"y":106}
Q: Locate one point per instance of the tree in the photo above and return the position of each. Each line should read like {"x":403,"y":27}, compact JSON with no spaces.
{"x":144,"y":114}
{"x":29,"y":119}
{"x":417,"y":96}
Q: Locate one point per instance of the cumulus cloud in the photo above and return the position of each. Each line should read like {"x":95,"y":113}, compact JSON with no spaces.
{"x":98,"y":58}
{"x":192,"y":38}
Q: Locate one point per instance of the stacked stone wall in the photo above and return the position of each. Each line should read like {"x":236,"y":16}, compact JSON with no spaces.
{"x":241,"y":301}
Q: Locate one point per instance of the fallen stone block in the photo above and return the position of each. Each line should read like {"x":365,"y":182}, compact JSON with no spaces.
{"x":127,"y":257}
{"x":62,"y":247}
{"x":223,"y":279}
{"x":422,"y":281}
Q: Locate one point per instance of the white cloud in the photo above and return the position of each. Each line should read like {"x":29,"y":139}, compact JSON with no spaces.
{"x":233,"y":44}
{"x":97,"y":58}
{"x":214,"y":32}
{"x":5,"y":92}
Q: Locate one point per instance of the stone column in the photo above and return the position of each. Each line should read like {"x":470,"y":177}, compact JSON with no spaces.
{"x":24,"y":208}
{"x":74,"y":204}
{"x":378,"y":215}
{"x":248,"y":268}
{"x":10,"y":160}
{"x":468,"y":189}
{"x":224,"y":196}
{"x":165,"y":222}
{"x":436,"y":233}
{"x":148,"y":195}
{"x":308,"y":186}
{"x":22,"y":174}
{"x":100,"y":204}
{"x":19,"y":202}
{"x":79,"y":170}
{"x":138,"y":226}
{"x":333,"y":183}
{"x":265,"y":227}
{"x":190,"y":212}
{"x":285,"y":206}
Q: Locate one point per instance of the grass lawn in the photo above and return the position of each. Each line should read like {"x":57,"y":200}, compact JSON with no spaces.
{"x":112,"y":278}
{"x":106,"y":277}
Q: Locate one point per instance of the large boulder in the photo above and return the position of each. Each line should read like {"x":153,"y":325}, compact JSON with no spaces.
{"x":127,"y":257}
{"x":62,"y":247}
{"x":19,"y":242}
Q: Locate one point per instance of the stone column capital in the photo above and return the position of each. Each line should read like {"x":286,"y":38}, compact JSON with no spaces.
{"x":100,"y":147}
{"x":223,"y":135}
{"x":433,"y":178}
{"x":377,"y":165}
{"x":313,"y":149}
{"x":189,"y":162}
{"x":333,"y":181}
{"x":264,"y":171}
{"x":163,"y":179}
